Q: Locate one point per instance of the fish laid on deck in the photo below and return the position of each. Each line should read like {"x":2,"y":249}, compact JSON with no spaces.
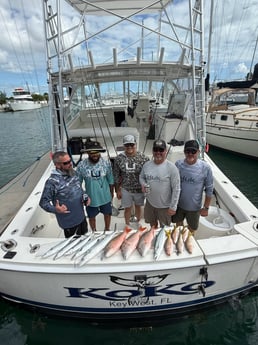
{"x":146,"y":241}
{"x":130,"y":243}
{"x":169,"y":245}
{"x":115,"y":244}
{"x":159,"y":243}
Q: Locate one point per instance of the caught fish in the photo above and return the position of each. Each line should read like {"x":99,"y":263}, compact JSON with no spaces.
{"x":185,"y":233}
{"x":180,"y":244}
{"x":145,"y":241}
{"x":53,"y":250}
{"x":86,"y":247}
{"x":175,"y":234}
{"x":96,"y":249}
{"x":169,"y":245}
{"x":189,"y":243}
{"x":84,"y":240}
{"x":65,"y":249}
{"x":130,"y":243}
{"x":159,"y":243}
{"x":114,"y":245}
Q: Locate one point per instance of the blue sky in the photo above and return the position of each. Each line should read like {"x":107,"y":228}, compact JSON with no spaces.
{"x":22,"y":47}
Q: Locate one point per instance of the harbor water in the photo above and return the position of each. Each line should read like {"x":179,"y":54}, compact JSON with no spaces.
{"x":24,"y":138}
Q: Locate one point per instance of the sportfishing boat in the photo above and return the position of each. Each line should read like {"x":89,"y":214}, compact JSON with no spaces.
{"x":148,"y":83}
{"x":22,"y":100}
{"x":232,"y":117}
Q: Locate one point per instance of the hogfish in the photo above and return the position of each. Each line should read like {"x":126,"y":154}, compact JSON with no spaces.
{"x":114,"y":245}
{"x":130,"y":243}
{"x":145,"y":241}
{"x":159,"y":243}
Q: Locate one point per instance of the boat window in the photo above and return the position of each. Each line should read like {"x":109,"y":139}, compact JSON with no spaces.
{"x":223,"y":117}
{"x":256,"y":124}
{"x":236,"y":122}
{"x":213,"y":116}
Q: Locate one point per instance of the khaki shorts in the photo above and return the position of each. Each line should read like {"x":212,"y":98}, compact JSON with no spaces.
{"x":154,"y":215}
{"x":192,"y":217}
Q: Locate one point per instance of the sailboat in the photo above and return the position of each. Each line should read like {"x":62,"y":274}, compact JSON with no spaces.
{"x":232,"y":117}
{"x":159,"y":79}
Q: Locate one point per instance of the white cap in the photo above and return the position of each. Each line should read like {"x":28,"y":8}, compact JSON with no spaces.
{"x":129,"y":139}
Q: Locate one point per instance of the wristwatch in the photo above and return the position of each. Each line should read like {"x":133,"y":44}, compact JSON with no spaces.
{"x":205,"y":208}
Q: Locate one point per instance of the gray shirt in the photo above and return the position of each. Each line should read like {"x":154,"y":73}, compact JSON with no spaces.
{"x":195,"y":178}
{"x":164,"y":182}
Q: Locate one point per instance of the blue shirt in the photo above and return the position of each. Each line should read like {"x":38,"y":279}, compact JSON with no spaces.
{"x":195,"y":179}
{"x":97,"y":177}
{"x":68,"y":191}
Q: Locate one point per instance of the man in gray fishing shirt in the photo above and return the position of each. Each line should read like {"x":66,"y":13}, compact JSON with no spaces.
{"x":163,"y":182}
{"x":196,"y":178}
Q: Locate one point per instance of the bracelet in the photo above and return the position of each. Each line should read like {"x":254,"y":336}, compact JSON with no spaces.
{"x":205,"y":208}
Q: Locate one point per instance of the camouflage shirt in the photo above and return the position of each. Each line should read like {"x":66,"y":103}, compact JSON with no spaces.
{"x":127,"y":170}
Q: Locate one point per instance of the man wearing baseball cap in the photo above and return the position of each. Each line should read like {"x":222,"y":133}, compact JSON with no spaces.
{"x":163,"y":180}
{"x":127,"y":168}
{"x":196,"y":178}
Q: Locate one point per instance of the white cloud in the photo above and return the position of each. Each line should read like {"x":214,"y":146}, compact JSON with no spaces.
{"x":22,"y":47}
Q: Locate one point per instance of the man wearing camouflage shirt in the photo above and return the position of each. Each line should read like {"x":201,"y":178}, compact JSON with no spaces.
{"x":127,"y":168}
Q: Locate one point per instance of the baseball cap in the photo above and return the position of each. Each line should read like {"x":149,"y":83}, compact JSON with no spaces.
{"x":191,"y":144}
{"x":159,"y":144}
{"x":129,"y":139}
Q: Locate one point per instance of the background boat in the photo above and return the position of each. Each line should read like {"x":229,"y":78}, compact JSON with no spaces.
{"x":22,"y":100}
{"x":232,"y":117}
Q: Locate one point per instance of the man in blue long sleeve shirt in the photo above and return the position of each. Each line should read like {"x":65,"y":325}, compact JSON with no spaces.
{"x":63,"y":196}
{"x":196,"y":179}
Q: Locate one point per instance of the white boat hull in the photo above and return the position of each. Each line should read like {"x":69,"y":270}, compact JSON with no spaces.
{"x":122,"y":294}
{"x":22,"y":106}
{"x":243,"y":142}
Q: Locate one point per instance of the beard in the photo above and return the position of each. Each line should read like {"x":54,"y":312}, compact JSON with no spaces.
{"x":70,"y":172}
{"x":94,"y":159}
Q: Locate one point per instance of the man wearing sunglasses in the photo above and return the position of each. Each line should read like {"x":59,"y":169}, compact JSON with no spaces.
{"x":196,"y":178}
{"x":127,"y":168}
{"x":63,"y":196}
{"x":163,"y":180}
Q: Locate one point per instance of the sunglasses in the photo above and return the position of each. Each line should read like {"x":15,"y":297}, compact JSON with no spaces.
{"x":192,"y":151}
{"x":129,"y":145}
{"x":158,"y":149}
{"x":66,"y":163}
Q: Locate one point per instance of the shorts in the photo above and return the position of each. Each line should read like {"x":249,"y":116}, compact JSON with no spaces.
{"x":92,"y":211}
{"x":153,"y":214}
{"x":192,"y":217}
{"x":128,"y":198}
{"x":79,"y":230}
